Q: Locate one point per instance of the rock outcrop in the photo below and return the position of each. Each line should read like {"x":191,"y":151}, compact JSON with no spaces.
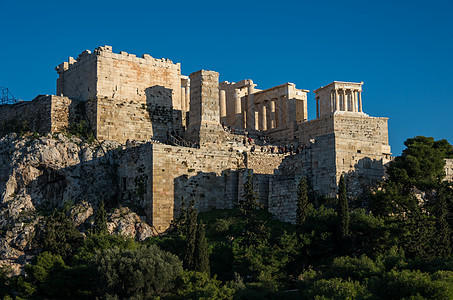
{"x":41,"y":173}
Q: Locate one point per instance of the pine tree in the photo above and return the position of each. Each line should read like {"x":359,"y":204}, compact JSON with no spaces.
{"x":190,"y":232}
{"x":201,"y":256}
{"x":100,"y":220}
{"x":302,"y":204}
{"x":343,"y":208}
{"x":443,"y":232}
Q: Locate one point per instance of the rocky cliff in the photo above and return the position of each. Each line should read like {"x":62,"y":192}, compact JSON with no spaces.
{"x":41,"y":173}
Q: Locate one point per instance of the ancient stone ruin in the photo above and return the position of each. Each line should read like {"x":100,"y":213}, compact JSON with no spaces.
{"x":201,"y":138}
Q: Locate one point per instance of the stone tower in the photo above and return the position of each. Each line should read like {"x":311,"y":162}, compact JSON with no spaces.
{"x":204,"y":116}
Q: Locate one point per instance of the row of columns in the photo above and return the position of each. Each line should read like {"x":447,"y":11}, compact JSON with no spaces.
{"x":273,"y":113}
{"x":341,"y":98}
{"x":263,"y":116}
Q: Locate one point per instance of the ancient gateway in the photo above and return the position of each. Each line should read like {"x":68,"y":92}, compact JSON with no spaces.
{"x":201,"y":138}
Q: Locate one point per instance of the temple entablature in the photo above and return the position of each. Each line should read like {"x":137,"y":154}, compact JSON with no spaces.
{"x":339,"y":96}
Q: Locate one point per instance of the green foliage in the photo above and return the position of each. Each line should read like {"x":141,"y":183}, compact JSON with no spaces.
{"x":101,"y":242}
{"x":421,"y":163}
{"x":406,"y":284}
{"x":50,"y":274}
{"x":418,"y":236}
{"x":82,"y":130}
{"x":60,"y":236}
{"x":198,"y":285}
{"x":139,"y":273}
{"x":201,"y":256}
{"x":190,"y":230}
{"x":443,"y":230}
{"x":337,"y":288}
{"x":255,"y":230}
{"x":343,"y":209}
{"x":100,"y":220}
{"x":302,"y":204}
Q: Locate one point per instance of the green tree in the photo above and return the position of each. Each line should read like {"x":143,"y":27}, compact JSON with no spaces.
{"x":255,"y":230}
{"x":135,"y":273}
{"x":201,"y":256}
{"x":421,"y":163}
{"x":343,"y":208}
{"x":190,"y":229}
{"x":100,"y":220}
{"x":443,"y":231}
{"x":60,"y":236}
{"x":302,"y":205}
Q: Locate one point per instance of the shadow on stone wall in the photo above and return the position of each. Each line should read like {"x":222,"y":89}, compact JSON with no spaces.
{"x":164,"y":118}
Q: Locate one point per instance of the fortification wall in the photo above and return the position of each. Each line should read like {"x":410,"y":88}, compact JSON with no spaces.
{"x":201,"y":174}
{"x":78,"y":79}
{"x":123,"y":120}
{"x":120,"y":76}
{"x":361,"y":145}
{"x":45,"y":113}
{"x":263,"y":163}
{"x":283,"y":197}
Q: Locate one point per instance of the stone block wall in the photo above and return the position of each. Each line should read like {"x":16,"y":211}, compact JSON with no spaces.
{"x":204,"y":117}
{"x":120,"y":76}
{"x":283,"y":197}
{"x":44,"y":114}
{"x":78,"y":79}
{"x":119,"y":120}
{"x":362,"y":149}
{"x":202,"y":174}
{"x":263,"y":163}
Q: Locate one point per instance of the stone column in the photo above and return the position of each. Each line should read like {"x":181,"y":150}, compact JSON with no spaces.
{"x":345,"y":100}
{"x":337,"y":100}
{"x":222,"y":105}
{"x":360,"y":101}
{"x":263,"y":117}
{"x":187,"y":97}
{"x":272,"y":114}
{"x":183,"y":98}
{"x":237,"y":109}
{"x":251,"y":120}
{"x":281,"y":111}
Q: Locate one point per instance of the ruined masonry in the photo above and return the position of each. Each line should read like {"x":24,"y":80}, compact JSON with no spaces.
{"x":201,"y":137}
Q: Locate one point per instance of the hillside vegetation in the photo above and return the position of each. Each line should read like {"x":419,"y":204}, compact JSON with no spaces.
{"x":396,"y":243}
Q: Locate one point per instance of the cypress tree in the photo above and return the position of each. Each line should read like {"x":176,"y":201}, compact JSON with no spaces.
{"x":343,"y":208}
{"x":190,"y":233}
{"x":201,"y":256}
{"x":443,"y":232}
{"x":255,"y":230}
{"x":100,"y":220}
{"x":302,"y":204}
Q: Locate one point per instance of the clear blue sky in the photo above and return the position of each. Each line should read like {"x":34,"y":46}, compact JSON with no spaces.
{"x":402,"y":50}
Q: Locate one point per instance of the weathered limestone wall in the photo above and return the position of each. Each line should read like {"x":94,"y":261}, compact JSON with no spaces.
{"x":201,"y":174}
{"x":449,"y":169}
{"x":121,"y":120}
{"x":120,"y":76}
{"x":362,"y":149}
{"x":204,"y":120}
{"x":45,"y":113}
{"x":263,"y":163}
{"x":283,"y":197}
{"x":317,"y":161}
{"x":78,"y":79}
